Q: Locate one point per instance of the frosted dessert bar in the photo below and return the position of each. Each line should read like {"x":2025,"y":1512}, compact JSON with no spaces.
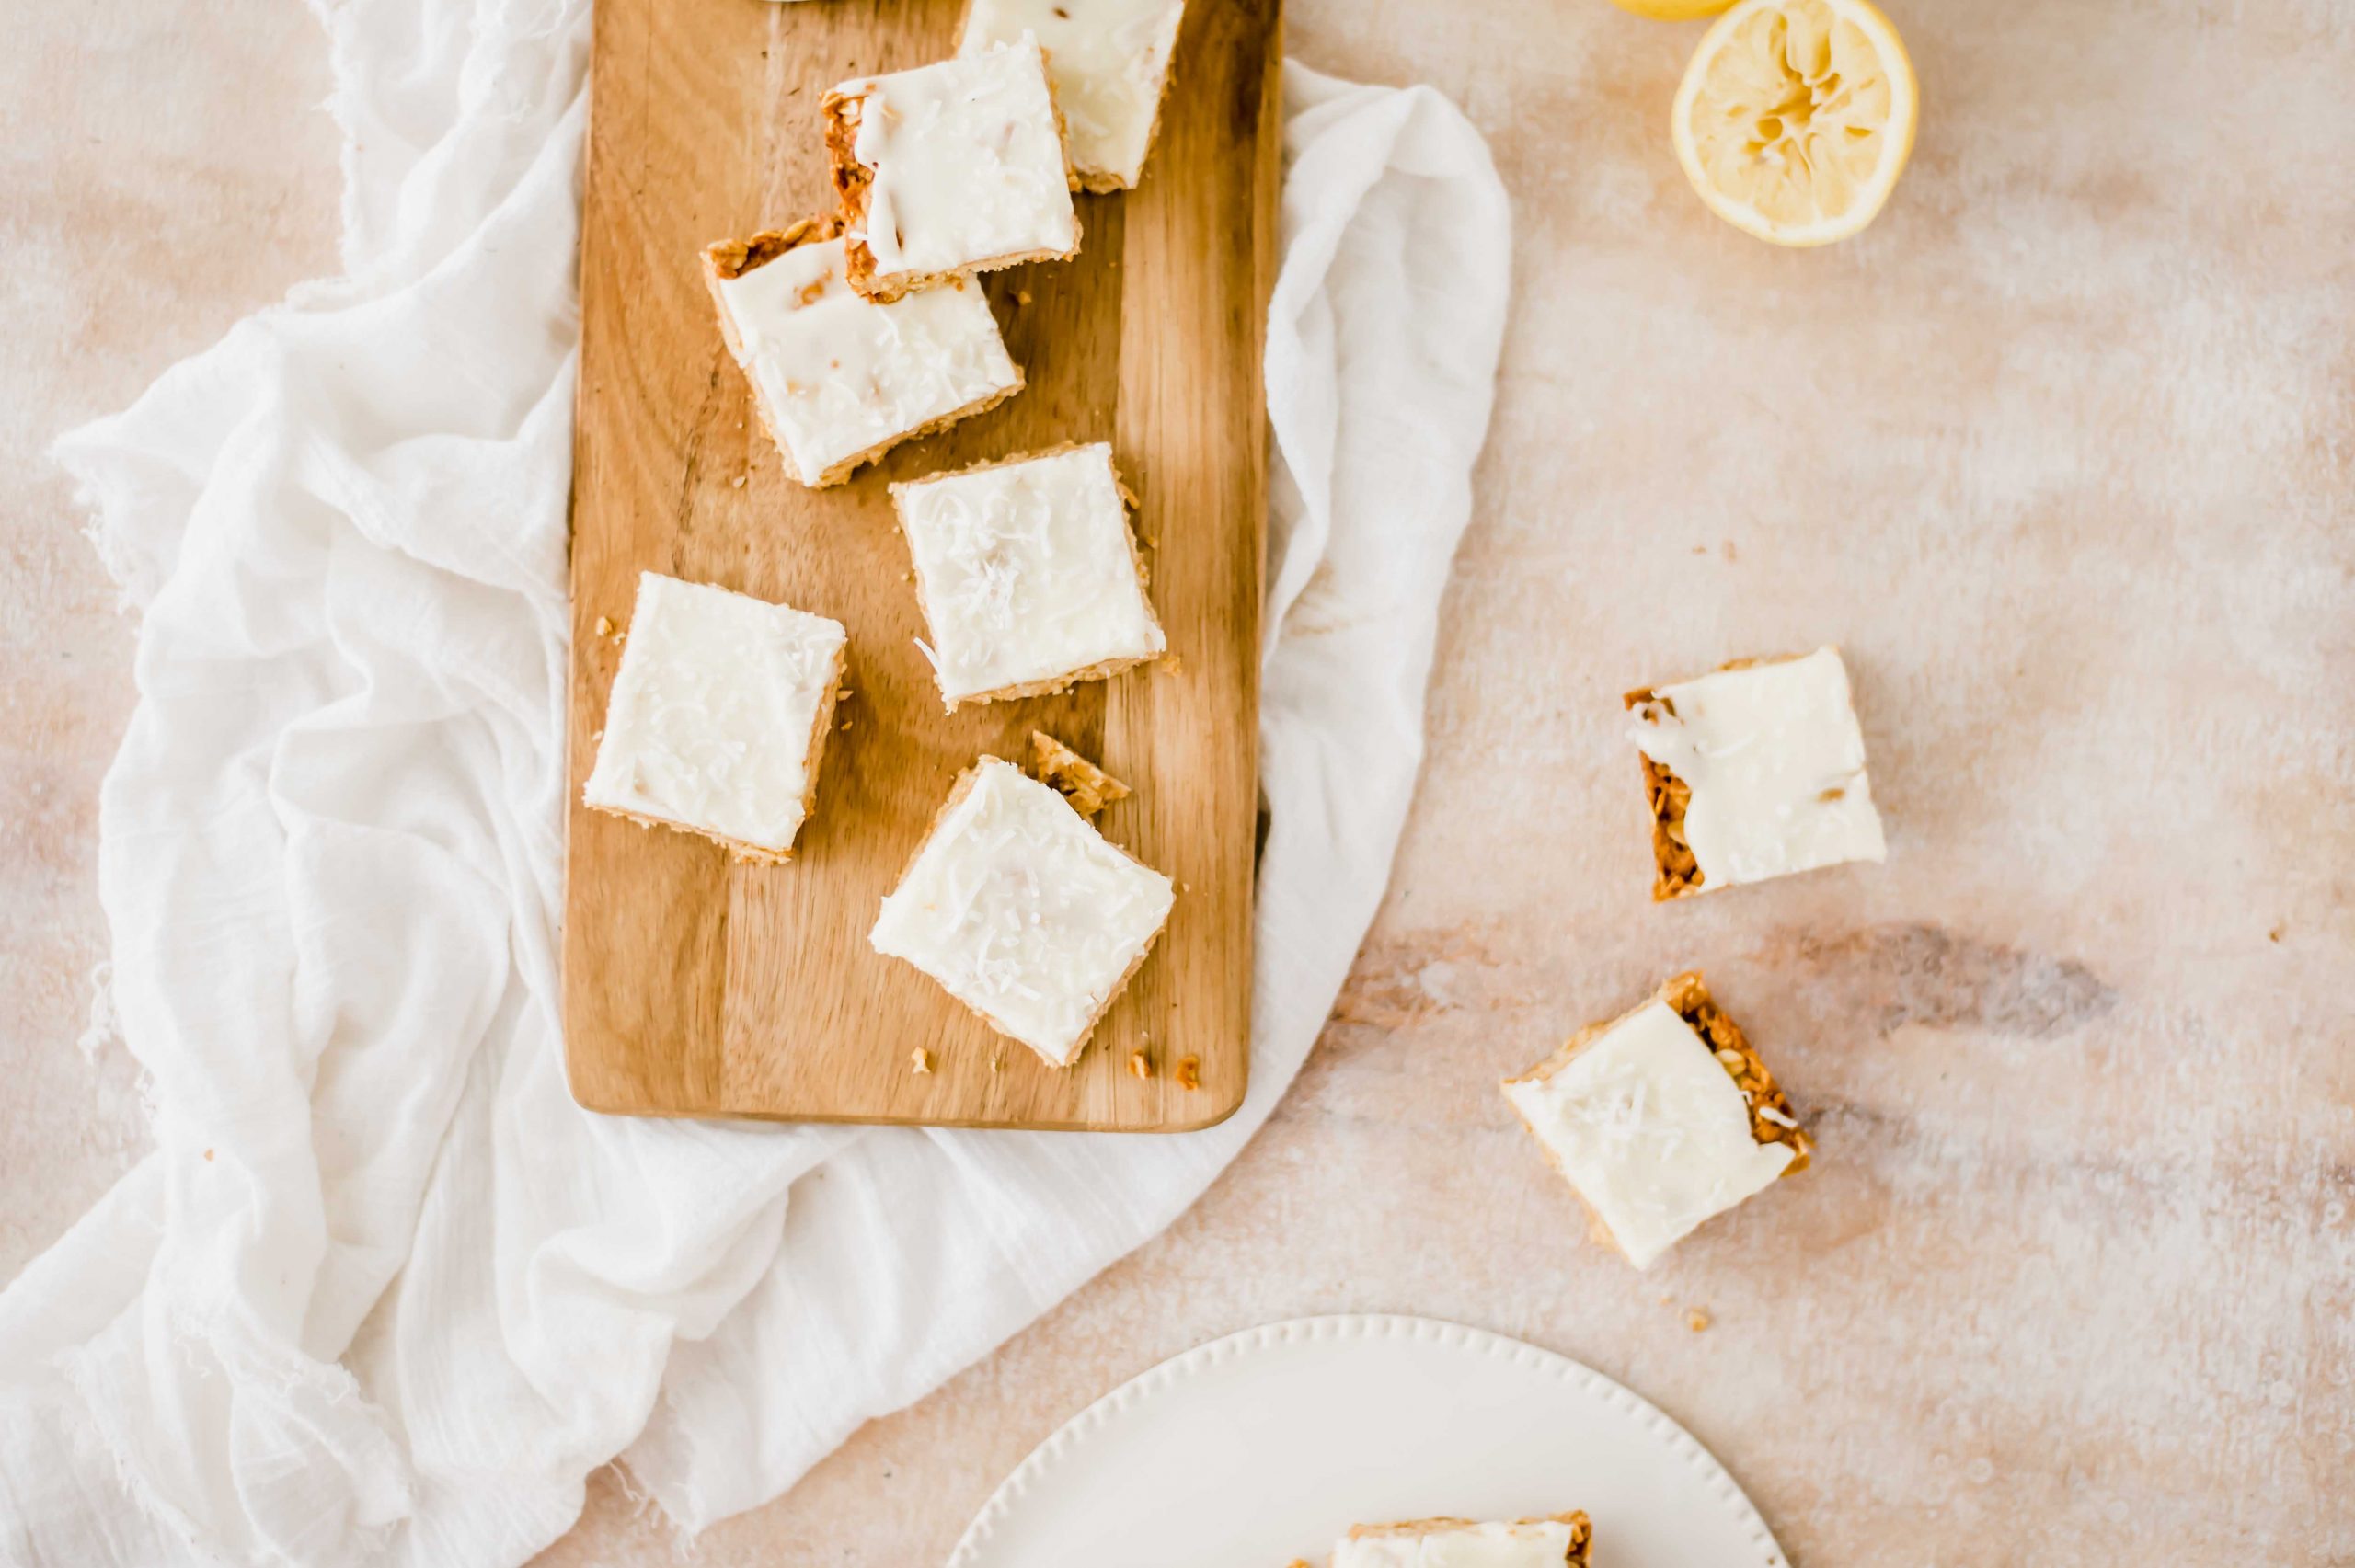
{"x":1109,"y":63}
{"x":1027,"y":574}
{"x":719,"y":716}
{"x":1461,"y":1543}
{"x":1660,"y":1119}
{"x":839,"y":379}
{"x":1023,"y":911}
{"x":957,"y":168}
{"x":1754,"y":771}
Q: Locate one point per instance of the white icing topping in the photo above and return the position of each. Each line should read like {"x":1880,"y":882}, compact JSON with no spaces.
{"x":1109,"y":60}
{"x":1022,"y":911}
{"x":1651,"y":1127}
{"x":842,"y":375}
{"x":1775,"y":763}
{"x":1026,"y":571}
{"x":1544,"y":1543}
{"x":967,"y":162}
{"x":712,"y":721}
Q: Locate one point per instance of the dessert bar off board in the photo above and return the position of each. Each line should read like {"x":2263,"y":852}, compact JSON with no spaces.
{"x":698,"y":985}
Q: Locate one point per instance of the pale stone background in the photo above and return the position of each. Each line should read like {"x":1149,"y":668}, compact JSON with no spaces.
{"x":2061,"y":453}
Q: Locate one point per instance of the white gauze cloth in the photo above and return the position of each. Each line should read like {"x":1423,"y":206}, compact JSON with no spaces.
{"x":382,"y":1293}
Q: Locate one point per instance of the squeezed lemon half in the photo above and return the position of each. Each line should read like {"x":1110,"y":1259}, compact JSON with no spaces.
{"x":1796,"y":117}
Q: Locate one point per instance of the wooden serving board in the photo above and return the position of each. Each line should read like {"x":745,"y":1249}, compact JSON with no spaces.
{"x":694,"y":986}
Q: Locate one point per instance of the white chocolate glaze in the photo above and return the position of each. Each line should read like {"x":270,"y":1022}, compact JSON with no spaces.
{"x":1540,"y":1543}
{"x":712,"y":722}
{"x":1023,"y":911}
{"x":1109,"y":60}
{"x":841,"y":375}
{"x":1026,"y":571}
{"x":1777,"y":765}
{"x":965,"y":161}
{"x":1649,"y":1127}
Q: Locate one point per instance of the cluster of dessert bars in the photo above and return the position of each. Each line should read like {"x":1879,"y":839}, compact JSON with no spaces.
{"x":857,"y":330}
{"x":1666,"y":1117}
{"x":863,"y":328}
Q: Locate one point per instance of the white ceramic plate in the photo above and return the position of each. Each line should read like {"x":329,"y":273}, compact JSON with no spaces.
{"x":1263,"y":1447}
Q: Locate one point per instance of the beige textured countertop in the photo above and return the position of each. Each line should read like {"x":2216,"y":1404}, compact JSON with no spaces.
{"x":2059,"y":451}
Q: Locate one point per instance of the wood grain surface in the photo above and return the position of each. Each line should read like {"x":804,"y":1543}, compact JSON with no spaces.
{"x":694,"y":986}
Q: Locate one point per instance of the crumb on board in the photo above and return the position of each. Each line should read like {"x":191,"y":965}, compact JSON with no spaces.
{"x":920,"y":1060}
{"x":1088,"y":787}
{"x":604,"y":625}
{"x":1140,"y":1065}
{"x":1190,"y":1072}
